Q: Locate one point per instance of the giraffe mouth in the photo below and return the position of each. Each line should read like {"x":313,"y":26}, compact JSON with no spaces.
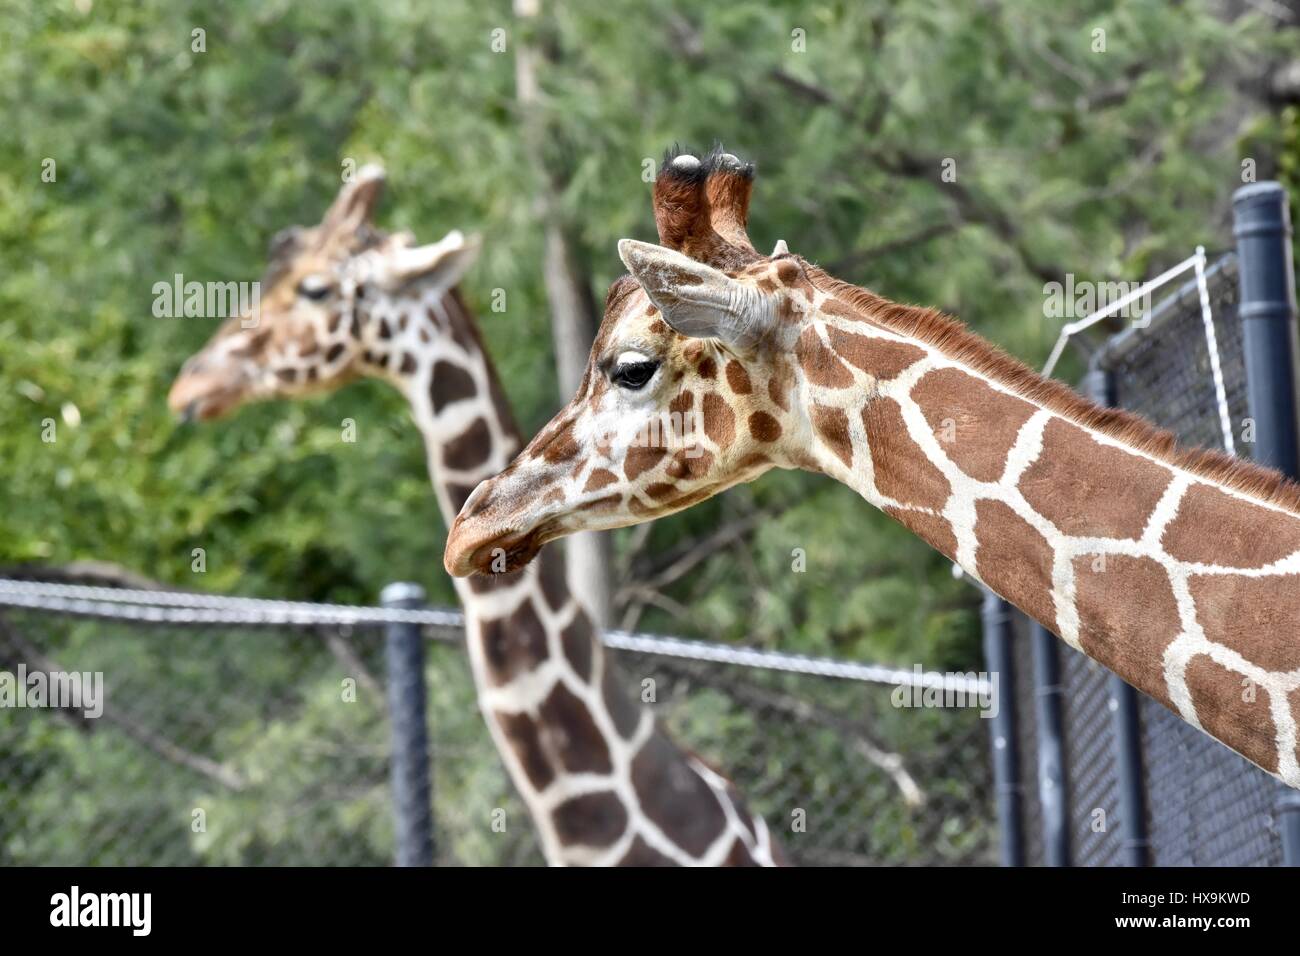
{"x":503,"y":553}
{"x":196,"y":398}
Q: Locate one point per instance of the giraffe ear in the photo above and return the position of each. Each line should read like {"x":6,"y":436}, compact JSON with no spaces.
{"x":698,"y":300}
{"x":441,"y":263}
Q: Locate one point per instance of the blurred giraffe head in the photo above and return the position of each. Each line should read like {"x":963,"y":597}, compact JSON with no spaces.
{"x":320,"y":321}
{"x":689,"y":389}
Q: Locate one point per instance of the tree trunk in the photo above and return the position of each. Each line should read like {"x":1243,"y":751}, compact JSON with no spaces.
{"x":568,"y":288}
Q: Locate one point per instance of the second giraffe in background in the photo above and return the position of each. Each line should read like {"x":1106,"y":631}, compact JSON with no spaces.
{"x":341,"y":300}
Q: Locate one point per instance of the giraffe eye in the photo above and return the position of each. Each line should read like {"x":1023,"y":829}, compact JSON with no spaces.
{"x":633,"y":375}
{"x":313,"y":287}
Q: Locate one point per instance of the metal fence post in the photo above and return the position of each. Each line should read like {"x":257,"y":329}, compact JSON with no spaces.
{"x":1262,"y":228}
{"x":1051,"y":746}
{"x":995,"y":614}
{"x":409,"y":773}
{"x":1128,"y":772}
{"x":1125,"y":728}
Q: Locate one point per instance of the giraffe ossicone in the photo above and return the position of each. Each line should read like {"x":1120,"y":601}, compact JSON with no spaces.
{"x":1178,"y":570}
{"x":342,"y":300}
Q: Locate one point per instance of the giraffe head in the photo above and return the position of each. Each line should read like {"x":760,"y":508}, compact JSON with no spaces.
{"x":320,"y":322}
{"x":690,"y":387}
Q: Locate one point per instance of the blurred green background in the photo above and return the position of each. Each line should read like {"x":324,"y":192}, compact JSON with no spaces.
{"x":1109,"y":164}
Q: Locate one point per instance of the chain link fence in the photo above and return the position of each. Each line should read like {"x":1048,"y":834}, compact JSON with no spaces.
{"x":238,"y":732}
{"x":1199,"y":802}
{"x":1206,"y":805}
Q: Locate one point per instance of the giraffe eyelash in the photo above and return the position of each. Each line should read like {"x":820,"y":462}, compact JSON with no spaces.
{"x":633,"y":376}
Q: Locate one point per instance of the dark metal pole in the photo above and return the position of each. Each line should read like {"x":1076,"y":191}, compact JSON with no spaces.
{"x":409,"y":772}
{"x":1051,"y":746}
{"x":1125,"y":724}
{"x":1262,"y":227}
{"x":1288,"y":816}
{"x":996,"y":616}
{"x":1128,"y":772}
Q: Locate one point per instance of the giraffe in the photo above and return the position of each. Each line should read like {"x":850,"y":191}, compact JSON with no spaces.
{"x":603,"y":783}
{"x":1177,"y":569}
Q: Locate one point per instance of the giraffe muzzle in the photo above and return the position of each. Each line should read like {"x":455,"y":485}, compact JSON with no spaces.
{"x":500,"y":553}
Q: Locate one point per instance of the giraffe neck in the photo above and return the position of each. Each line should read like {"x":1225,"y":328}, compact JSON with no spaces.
{"x":602,"y":783}
{"x":1180,"y":574}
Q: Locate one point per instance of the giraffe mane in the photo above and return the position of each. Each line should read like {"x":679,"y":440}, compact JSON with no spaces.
{"x":960,"y":344}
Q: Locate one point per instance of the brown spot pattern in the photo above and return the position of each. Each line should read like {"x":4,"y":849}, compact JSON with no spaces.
{"x":1015,"y":560}
{"x":764,"y":427}
{"x":1221,"y":707}
{"x":1106,"y":591}
{"x":719,"y":420}
{"x":599,"y":478}
{"x":902,"y":470}
{"x":593,"y":819}
{"x":778,"y":387}
{"x":623,"y":709}
{"x":880,"y":358}
{"x":690,"y":464}
{"x":1252,"y":616}
{"x":833,"y":427}
{"x":932,"y":529}
{"x":605,"y":503}
{"x":1212,"y":527}
{"x":660,"y":490}
{"x":558,"y":445}
{"x":982,"y":423}
{"x":450,"y":383}
{"x":640,"y":459}
{"x":738,"y":378}
{"x":470,"y":448}
{"x":521,"y":733}
{"x":514,"y":645}
{"x":571,"y":733}
{"x":692,"y":498}
{"x":1088,"y":489}
{"x":555,"y":587}
{"x":578,"y":641}
{"x":789,"y":273}
{"x":676,"y":798}
{"x":820,"y":365}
